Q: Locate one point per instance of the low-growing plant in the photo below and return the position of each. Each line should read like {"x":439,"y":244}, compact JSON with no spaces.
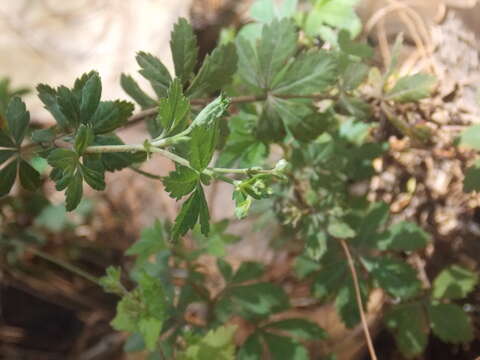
{"x":292,"y":86}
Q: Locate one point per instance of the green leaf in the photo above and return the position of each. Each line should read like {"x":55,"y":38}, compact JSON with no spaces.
{"x":471,"y":137}
{"x":454,"y":282}
{"x":94,"y":177}
{"x":330,"y":278}
{"x":18,"y":119}
{"x":311,"y":72}
{"x":152,"y":240}
{"x":242,"y":149}
{"x":304,"y":124}
{"x":225,"y":269}
{"x":181,"y":182}
{"x":472,"y":179}
{"x":126,"y":317}
{"x":150,"y":329}
{"x":204,"y":213}
{"x":251,"y":349}
{"x":74,"y":192}
{"x":412,"y":88}
{"x":248,"y":67}
{"x":346,"y":303}
{"x":216,"y":72}
{"x":354,"y":75}
{"x":202,"y":146}
{"x":300,"y":329}
{"x":173,"y":110}
{"x":44,"y":135}
{"x":5,"y":140}
{"x":184,"y":48}
{"x":376,"y":216}
{"x":48,"y":96}
{"x":64,"y":159}
{"x":338,"y":14}
{"x":281,"y":347}
{"x":340,"y":229}
{"x":409,"y":325}
{"x":7,"y":177}
{"x":69,"y":106}
{"x":248,"y":270}
{"x":276,"y":45}
{"x":91,"y":93}
{"x":111,"y":282}
{"x":394,"y":276}
{"x":189,"y":214}
{"x":402,"y":236}
{"x":260,"y":299}
{"x":267,"y":10}
{"x":110,"y":115}
{"x":350,"y":47}
{"x":450,"y":323}
{"x":5,"y":155}
{"x":29,"y":177}
{"x":83,"y":139}
{"x":130,"y":86}
{"x":155,"y":72}
{"x":270,"y":124}
{"x":216,"y":344}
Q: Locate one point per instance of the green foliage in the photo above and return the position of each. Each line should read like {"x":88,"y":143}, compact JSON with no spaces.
{"x":216,"y":344}
{"x":454,"y":282}
{"x":291,"y":100}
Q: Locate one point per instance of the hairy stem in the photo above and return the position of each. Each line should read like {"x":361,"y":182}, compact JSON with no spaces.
{"x":64,"y":265}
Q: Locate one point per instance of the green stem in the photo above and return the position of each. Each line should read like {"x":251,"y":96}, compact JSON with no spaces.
{"x":65,"y":265}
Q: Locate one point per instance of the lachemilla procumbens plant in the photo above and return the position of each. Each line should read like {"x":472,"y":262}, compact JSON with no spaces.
{"x":291,"y":86}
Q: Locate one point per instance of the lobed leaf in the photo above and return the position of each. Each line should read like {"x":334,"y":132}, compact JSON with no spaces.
{"x":18,"y":119}
{"x":155,"y":72}
{"x":454,"y":282}
{"x":183,"y":45}
{"x":130,"y":86}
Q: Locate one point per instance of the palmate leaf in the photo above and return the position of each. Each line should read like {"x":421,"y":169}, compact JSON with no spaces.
{"x":181,"y":182}
{"x":396,"y":277}
{"x":83,"y":139}
{"x":311,"y":72}
{"x":260,"y":65}
{"x":155,"y":72}
{"x":277,"y":44}
{"x":216,"y":71}
{"x":48,"y":96}
{"x":301,"y":121}
{"x":403,"y":236}
{"x":259,"y":299}
{"x":410,"y":328}
{"x":450,"y":323}
{"x":194,"y":208}
{"x":183,"y":45}
{"x":454,"y":282}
